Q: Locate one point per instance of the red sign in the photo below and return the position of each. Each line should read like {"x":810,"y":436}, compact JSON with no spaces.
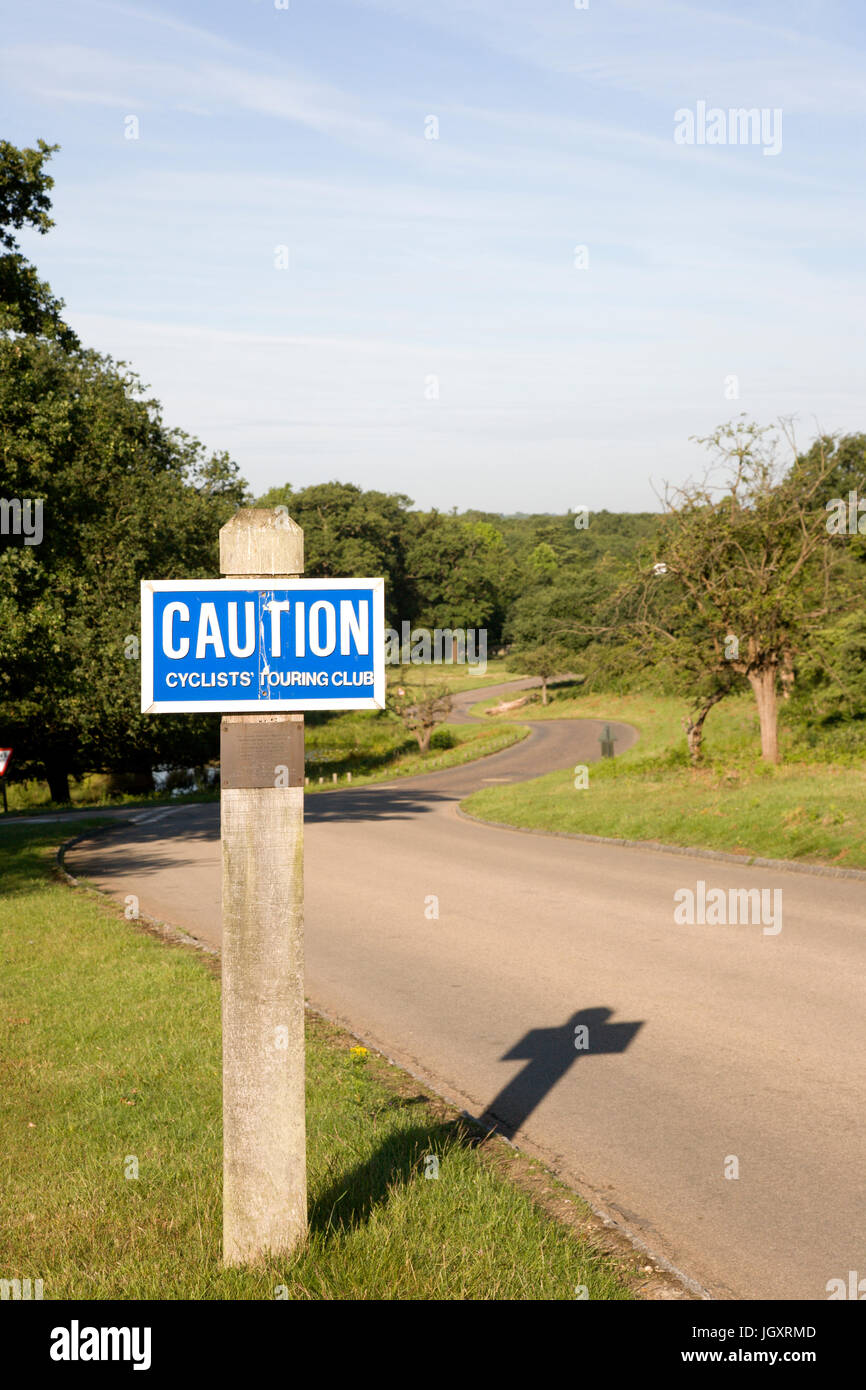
{"x":5,"y":756}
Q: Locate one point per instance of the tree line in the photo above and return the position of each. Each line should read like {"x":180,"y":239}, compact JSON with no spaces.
{"x":738,"y":582}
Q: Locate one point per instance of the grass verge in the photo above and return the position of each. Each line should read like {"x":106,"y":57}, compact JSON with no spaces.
{"x":368,"y":743}
{"x":374,"y":749}
{"x":461,"y":677}
{"x":110,"y":1048}
{"x":804,"y":809}
{"x":365,"y":744}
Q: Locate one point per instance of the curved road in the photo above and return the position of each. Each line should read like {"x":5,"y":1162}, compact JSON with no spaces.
{"x":709,"y":1049}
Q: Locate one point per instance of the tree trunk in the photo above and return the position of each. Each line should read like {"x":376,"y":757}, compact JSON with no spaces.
{"x":423,"y":737}
{"x":694,"y":738}
{"x":58,"y":782}
{"x":544,"y":690}
{"x":786,"y":674}
{"x":695,"y":728}
{"x":763,"y":683}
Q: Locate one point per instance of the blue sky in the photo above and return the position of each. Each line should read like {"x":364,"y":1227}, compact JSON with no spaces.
{"x":432,"y":333}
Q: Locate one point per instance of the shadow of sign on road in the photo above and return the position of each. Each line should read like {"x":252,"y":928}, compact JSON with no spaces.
{"x":147,"y":848}
{"x":550,"y":1053}
{"x":378,"y":804}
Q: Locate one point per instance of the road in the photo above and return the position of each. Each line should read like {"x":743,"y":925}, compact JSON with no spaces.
{"x":710,"y":1048}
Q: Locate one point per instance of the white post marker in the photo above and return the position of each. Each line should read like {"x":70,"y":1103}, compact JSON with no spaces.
{"x":5,"y":759}
{"x":261,"y":646}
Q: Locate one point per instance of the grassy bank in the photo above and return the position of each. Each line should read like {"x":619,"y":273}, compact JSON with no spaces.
{"x":362,"y":743}
{"x":812,"y":807}
{"x":110,"y":1052}
{"x":464,"y":677}
{"x":367,"y":743}
{"x":374,"y":748}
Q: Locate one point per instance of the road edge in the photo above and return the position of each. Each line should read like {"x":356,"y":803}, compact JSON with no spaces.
{"x":725,"y":856}
{"x":664,"y":1282}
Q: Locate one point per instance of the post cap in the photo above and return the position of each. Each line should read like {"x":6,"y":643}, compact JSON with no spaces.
{"x":261,"y":541}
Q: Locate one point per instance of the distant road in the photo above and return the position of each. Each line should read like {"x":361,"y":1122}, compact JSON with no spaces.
{"x":707,"y":1044}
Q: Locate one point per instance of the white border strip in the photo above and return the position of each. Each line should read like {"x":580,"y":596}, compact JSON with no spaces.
{"x":234,"y":705}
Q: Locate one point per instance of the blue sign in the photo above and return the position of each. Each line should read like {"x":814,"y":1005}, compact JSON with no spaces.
{"x":241,"y":645}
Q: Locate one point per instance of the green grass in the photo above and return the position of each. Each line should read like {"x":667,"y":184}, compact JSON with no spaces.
{"x":32,"y":799}
{"x":368,"y":743}
{"x":365,"y":743}
{"x":110,"y":1049}
{"x":462,"y":677}
{"x":375,"y":748}
{"x":808,"y":808}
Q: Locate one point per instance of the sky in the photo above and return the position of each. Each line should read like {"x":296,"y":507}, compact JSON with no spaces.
{"x":458,"y":249}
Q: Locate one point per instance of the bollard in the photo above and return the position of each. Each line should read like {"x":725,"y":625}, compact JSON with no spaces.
{"x":607,"y":742}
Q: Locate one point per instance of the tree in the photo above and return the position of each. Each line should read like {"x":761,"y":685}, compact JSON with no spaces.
{"x":420,"y":703}
{"x":543,"y":561}
{"x":565,"y":613}
{"x":739,"y":577}
{"x":458,"y":572}
{"x":119,"y":497}
{"x":831,"y":668}
{"x":26,"y":302}
{"x":123,"y":499}
{"x":545,"y":662}
{"x":348,"y":530}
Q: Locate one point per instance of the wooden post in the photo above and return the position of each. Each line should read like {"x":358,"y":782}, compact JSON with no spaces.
{"x":262,"y":811}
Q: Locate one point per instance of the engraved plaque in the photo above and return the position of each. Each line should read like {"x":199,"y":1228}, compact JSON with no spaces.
{"x":255,"y":752}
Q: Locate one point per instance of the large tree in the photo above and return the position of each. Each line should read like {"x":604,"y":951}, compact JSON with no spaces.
{"x":831,"y":669}
{"x":348,"y":530}
{"x":123,"y":498}
{"x":459,"y":573}
{"x":742,"y":576}
{"x":96,"y":494}
{"x":26,"y":302}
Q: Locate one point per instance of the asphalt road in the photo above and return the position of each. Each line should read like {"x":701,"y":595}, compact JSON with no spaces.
{"x":710,"y":1048}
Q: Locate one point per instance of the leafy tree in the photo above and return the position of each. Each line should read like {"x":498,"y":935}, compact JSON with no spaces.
{"x":545,"y":662}
{"x":543,"y":561}
{"x":118,"y":497}
{"x":739,"y":580}
{"x":845,"y":459}
{"x":26,"y":302}
{"x":349,"y":531}
{"x":124,"y":498}
{"x":420,"y":702}
{"x":564,"y":612}
{"x":685,"y":657}
{"x":459,"y":572}
{"x":831,"y":668}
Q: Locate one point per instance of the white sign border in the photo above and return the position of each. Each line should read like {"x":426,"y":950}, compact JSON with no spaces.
{"x":277,"y":705}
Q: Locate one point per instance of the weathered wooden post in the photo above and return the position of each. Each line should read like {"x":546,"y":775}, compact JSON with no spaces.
{"x":259,"y":647}
{"x":262,"y":805}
